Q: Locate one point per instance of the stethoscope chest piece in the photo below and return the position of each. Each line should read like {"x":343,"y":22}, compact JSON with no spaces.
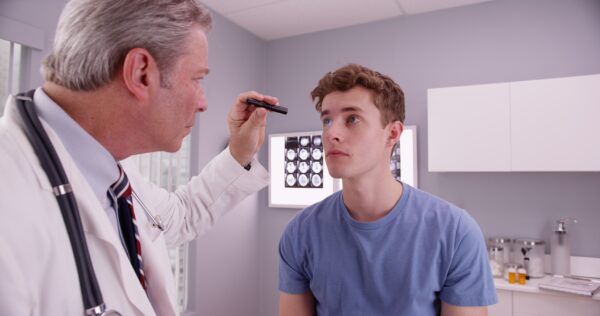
{"x":156,"y":221}
{"x":100,"y":310}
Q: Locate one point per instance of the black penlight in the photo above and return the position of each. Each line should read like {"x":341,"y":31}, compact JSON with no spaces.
{"x":274,"y":108}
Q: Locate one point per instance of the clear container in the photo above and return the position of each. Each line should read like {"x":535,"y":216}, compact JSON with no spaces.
{"x":496,"y":254}
{"x":530,"y":253}
{"x":506,"y":243}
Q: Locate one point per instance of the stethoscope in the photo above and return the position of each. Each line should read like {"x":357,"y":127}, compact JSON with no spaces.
{"x":90,"y":291}
{"x":156,"y":221}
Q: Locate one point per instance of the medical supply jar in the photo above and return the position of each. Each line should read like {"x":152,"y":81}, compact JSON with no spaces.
{"x":510,"y":272}
{"x":496,"y":260}
{"x":506,"y":244}
{"x":530,"y":252}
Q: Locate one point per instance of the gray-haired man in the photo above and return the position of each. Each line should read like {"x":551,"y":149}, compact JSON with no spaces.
{"x":124,"y":78}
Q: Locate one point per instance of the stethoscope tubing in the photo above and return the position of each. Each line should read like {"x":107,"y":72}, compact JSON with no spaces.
{"x":90,"y":290}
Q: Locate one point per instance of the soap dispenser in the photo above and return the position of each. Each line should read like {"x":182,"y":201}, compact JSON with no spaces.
{"x":560,"y":248}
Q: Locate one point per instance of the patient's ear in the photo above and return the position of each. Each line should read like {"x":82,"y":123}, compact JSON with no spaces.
{"x":140,"y":73}
{"x":395,"y":129}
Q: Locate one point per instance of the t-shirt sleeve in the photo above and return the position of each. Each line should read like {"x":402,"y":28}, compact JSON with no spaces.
{"x":292,"y":278}
{"x":469,"y":281}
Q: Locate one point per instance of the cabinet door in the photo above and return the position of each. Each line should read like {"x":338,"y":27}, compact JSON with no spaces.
{"x":468,"y":128}
{"x":504,"y":306}
{"x":539,"y":304}
{"x":554,"y":124}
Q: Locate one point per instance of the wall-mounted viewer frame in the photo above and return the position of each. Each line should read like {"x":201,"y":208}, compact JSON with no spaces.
{"x":295,"y":159}
{"x":299,"y":176}
{"x":406,"y":156}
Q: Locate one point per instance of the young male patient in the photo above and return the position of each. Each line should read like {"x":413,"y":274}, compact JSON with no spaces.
{"x":379,"y":246}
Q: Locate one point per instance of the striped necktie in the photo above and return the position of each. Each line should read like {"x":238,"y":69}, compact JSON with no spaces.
{"x":126,"y":217}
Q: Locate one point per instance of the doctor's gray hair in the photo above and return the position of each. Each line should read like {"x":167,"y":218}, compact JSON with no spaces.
{"x":93,"y":37}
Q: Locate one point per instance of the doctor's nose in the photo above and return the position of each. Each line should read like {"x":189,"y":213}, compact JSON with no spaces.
{"x":202,"y":104}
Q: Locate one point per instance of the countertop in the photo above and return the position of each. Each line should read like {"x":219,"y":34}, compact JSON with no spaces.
{"x":532,"y":287}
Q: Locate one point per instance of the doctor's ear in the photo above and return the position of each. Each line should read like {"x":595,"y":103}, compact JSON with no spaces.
{"x":140,"y":73}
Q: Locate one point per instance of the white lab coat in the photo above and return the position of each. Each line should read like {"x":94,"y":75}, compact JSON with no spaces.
{"x":37,"y":272}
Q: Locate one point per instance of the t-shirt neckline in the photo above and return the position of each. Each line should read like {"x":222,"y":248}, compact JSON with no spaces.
{"x":396,"y":210}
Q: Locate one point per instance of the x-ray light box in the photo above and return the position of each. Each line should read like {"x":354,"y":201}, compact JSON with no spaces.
{"x":299,"y":175}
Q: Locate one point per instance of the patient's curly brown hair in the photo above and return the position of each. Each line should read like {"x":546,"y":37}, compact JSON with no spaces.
{"x":388,"y":96}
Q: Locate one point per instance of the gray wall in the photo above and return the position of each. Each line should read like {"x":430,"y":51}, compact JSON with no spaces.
{"x":224,"y":276}
{"x":503,"y":40}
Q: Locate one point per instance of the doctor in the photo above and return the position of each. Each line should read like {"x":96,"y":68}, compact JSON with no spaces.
{"x":124,"y":78}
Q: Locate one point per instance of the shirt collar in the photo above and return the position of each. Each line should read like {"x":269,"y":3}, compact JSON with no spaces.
{"x":96,"y":164}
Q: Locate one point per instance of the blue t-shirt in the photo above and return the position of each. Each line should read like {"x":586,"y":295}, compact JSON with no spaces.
{"x":423,"y":251}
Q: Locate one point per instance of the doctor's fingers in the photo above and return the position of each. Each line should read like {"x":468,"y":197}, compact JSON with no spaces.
{"x":243,"y":108}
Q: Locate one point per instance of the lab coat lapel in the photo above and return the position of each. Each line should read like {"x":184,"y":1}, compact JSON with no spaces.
{"x":158,"y":271}
{"x":155,"y":254}
{"x":97,"y":225}
{"x":94,"y":220}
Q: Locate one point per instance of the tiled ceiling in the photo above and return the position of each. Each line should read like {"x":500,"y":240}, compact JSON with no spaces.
{"x":273,"y":19}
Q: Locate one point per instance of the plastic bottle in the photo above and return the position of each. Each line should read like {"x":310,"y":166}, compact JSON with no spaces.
{"x":512,"y":275}
{"x":560,"y":249}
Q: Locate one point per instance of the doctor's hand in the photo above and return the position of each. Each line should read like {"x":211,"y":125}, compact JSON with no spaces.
{"x":247,"y":126}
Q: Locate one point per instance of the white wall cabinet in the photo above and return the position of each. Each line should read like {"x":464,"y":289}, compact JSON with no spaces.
{"x":536,"y":125}
{"x":469,"y":128}
{"x":555,"y":124}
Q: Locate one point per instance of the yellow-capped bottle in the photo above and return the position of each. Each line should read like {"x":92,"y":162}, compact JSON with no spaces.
{"x":512,"y":275}
{"x":522,"y":275}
